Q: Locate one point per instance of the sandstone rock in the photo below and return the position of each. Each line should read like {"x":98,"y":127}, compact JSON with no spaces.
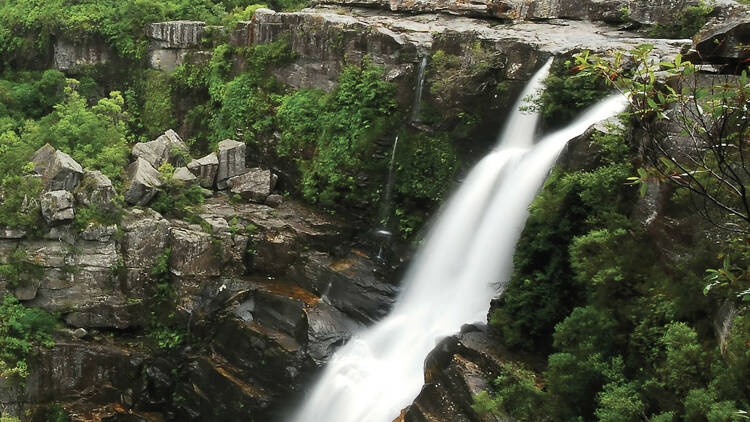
{"x":168,"y":147}
{"x":57,"y":206}
{"x":193,"y":253}
{"x":69,"y":55}
{"x":254,"y":185}
{"x":176,"y":34}
{"x":145,"y":237}
{"x":6,"y":233}
{"x":99,"y":233}
{"x":141,"y":182}
{"x":274,"y":200}
{"x":231,"y":156}
{"x":58,"y":170}
{"x":95,"y":189}
{"x":182,"y":174}
{"x":205,"y":169}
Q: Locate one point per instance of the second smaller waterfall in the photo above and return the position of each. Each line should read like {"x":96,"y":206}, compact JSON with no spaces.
{"x":417,"y":107}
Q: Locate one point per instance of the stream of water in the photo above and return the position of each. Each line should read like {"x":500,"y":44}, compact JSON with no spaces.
{"x":453,"y":277}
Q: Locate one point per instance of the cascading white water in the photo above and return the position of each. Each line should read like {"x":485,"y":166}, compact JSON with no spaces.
{"x":417,"y":107}
{"x":452,"y":278}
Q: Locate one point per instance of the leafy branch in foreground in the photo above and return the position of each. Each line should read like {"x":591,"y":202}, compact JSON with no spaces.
{"x":696,"y":125}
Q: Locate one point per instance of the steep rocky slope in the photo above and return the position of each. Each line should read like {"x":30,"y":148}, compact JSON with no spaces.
{"x":264,"y":288}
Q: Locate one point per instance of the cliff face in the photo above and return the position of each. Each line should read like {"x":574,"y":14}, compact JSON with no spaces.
{"x":247,"y":285}
{"x":266,"y":287}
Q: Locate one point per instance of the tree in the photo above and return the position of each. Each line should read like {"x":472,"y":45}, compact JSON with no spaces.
{"x":696,"y":127}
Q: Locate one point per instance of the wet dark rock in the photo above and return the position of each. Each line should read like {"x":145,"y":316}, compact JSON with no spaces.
{"x":721,"y":40}
{"x":327,"y":330}
{"x":458,"y":368}
{"x":349,"y":283}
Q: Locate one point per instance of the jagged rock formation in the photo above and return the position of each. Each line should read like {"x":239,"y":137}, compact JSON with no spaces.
{"x":252,"y":338}
{"x":269,"y":290}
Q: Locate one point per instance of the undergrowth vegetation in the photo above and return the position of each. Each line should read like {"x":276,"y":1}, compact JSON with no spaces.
{"x":22,"y":329}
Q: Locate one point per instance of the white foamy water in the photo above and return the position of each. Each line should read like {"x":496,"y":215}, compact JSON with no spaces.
{"x":452,"y":278}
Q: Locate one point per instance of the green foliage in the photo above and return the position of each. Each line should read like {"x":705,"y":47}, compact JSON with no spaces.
{"x":18,"y":189}
{"x":157,"y":114}
{"x":161,"y":331}
{"x":56,"y":413}
{"x":29,"y":95}
{"x":543,"y":288}
{"x":425,"y":165}
{"x":18,"y":270}
{"x":333,"y":135}
{"x":93,"y":136}
{"x":27,"y":25}
{"x":685,"y":23}
{"x":516,"y":394}
{"x":239,"y":14}
{"x":21,"y":329}
{"x":177,"y":200}
{"x":566,"y":93}
{"x":105,"y":215}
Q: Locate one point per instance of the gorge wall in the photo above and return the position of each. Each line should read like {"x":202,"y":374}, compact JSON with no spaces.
{"x":260,"y":288}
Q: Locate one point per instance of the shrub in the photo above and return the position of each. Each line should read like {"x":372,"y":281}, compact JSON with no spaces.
{"x":21,"y":329}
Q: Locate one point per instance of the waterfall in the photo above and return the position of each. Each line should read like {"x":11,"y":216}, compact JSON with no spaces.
{"x":452,"y":278}
{"x":417,"y":107}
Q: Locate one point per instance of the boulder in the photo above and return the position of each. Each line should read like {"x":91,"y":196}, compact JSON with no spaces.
{"x":141,"y":182}
{"x":168,"y":147}
{"x":95,"y":189}
{"x":254,"y":185}
{"x":205,"y":169}
{"x":57,"y":206}
{"x":182,"y":174}
{"x":721,"y":40}
{"x":58,"y":170}
{"x":231,"y":161}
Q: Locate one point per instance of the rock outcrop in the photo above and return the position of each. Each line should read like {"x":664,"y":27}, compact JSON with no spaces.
{"x":173,"y":42}
{"x":723,"y":38}
{"x":95,"y":189}
{"x":72,"y":55}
